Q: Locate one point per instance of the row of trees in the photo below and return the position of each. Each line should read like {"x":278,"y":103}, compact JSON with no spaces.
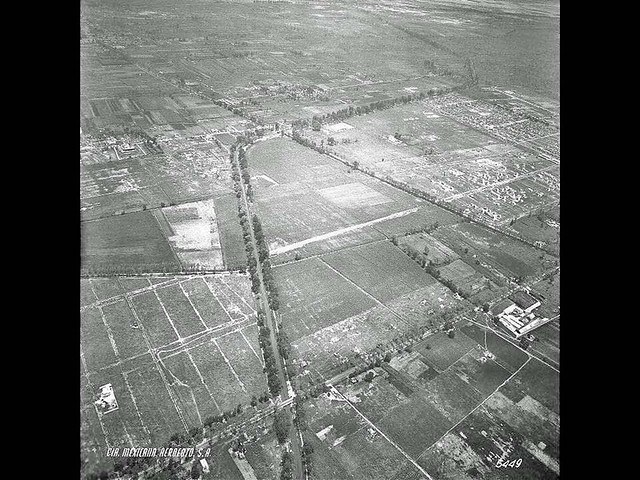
{"x":263,"y":256}
{"x":270,"y":367}
{"x":317,"y":121}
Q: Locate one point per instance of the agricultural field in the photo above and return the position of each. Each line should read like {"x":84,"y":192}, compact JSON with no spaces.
{"x":126,"y":243}
{"x":351,"y":300}
{"x":495,"y":256}
{"x":503,"y":402}
{"x":192,"y":231}
{"x":403,"y":160}
{"x":304,"y":197}
{"x":432,"y":147}
{"x":175,"y":351}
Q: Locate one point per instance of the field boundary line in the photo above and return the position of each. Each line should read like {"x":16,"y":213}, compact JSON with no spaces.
{"x":405,"y":454}
{"x":110,"y":335}
{"x":135,"y":404}
{"x":217,"y":299}
{"x":476,"y":407}
{"x":156,"y":363}
{"x":261,"y":360}
{"x":185,"y":347}
{"x":237,"y":295}
{"x":230,"y":366}
{"x":167,"y":315}
{"x":93,"y":290}
{"x":202,"y":380}
{"x":184,"y":292}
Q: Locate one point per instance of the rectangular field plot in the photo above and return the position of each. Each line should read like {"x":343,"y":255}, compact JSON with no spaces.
{"x":195,"y":397}
{"x":128,"y":339}
{"x":538,"y":381}
{"x":154,"y":320}
{"x":508,"y":355}
{"x":504,"y":256}
{"x":485,"y":376}
{"x":442,"y":351}
{"x":105,"y":287}
{"x":313,"y":296}
{"x":96,"y":345}
{"x":87,"y":296}
{"x":414,"y":425}
{"x":245,"y":361}
{"x":210,"y":310}
{"x":125,"y":243}
{"x":326,"y":347}
{"x":219,"y":376}
{"x":156,"y":407}
{"x":131,"y":284}
{"x":353,"y":195}
{"x":179,"y":310}
{"x":195,"y":236}
{"x":430,"y":248}
{"x":380,"y":269}
{"x":452,"y":395}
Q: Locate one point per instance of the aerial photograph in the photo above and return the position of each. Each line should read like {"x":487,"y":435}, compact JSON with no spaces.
{"x":320,"y":239}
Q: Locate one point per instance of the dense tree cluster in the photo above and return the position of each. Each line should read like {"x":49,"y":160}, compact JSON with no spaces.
{"x":270,"y":367}
{"x":286,"y":466}
{"x":281,"y":426}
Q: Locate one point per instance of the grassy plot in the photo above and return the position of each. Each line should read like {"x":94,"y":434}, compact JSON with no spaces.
{"x":442,"y":351}
{"x":485,"y":376}
{"x":380,"y":269}
{"x":414,"y":425}
{"x":508,"y":355}
{"x":538,"y":381}
{"x":313,"y":296}
{"x":205,"y":303}
{"x":105,"y":287}
{"x":154,"y":320}
{"x":129,"y":340}
{"x":245,"y":362}
{"x":130,"y":284}
{"x":154,"y":403}
{"x":94,"y":340}
{"x":194,"y":395}
{"x":125,"y":243}
{"x":180,"y":312}
{"x":219,"y":376}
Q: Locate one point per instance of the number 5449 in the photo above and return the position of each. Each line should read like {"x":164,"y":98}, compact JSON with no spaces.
{"x":509,"y":464}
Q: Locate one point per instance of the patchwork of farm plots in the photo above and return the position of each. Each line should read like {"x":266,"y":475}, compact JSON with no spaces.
{"x":354,"y":299}
{"x":313,"y":204}
{"x":451,"y":407}
{"x":421,"y":146}
{"x":192,"y":236}
{"x":175,"y":350}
